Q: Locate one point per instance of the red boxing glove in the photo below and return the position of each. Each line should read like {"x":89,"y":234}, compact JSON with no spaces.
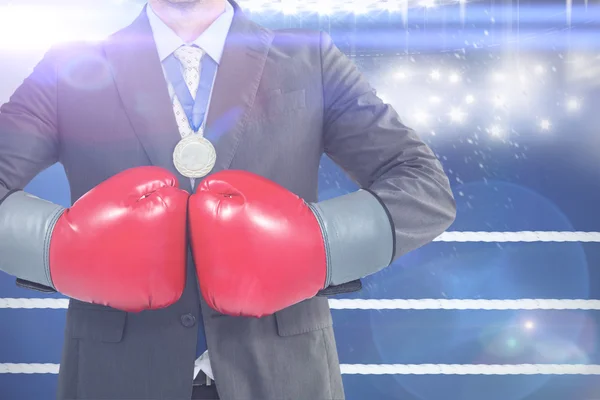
{"x":258,"y":247}
{"x":123,"y":244}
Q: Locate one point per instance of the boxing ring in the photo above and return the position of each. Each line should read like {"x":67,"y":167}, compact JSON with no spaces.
{"x":503,"y":306}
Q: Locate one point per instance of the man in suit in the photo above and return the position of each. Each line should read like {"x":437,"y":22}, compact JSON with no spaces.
{"x":193,"y":88}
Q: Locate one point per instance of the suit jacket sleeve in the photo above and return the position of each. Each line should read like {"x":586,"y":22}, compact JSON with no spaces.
{"x":28,"y":144}
{"x":28,"y":128}
{"x":366,"y":138}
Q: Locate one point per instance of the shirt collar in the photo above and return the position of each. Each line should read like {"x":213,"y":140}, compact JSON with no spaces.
{"x":212,"y":40}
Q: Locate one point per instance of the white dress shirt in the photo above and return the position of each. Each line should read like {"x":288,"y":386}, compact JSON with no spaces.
{"x":212,"y":41}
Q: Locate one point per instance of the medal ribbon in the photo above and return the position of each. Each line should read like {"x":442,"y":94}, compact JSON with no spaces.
{"x":194,"y":110}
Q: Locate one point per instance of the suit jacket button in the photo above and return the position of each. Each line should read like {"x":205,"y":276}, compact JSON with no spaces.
{"x":188,"y":320}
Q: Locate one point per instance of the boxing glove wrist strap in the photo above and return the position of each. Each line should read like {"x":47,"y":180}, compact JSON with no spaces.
{"x":358,"y":236}
{"x":26,"y":225}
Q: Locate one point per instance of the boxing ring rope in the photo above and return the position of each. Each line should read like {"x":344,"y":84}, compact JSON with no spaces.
{"x":411,"y":304}
{"x":394,"y":369}
{"x":382,"y":304}
{"x":463,"y":304}
{"x":34,"y":303}
{"x":429,"y":304}
{"x":525,"y":236}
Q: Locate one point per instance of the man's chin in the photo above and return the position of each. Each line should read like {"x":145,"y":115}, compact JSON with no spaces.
{"x":184,"y":3}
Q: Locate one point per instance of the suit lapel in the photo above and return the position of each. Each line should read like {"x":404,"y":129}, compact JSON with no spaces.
{"x":236,"y":84}
{"x":140,"y":81}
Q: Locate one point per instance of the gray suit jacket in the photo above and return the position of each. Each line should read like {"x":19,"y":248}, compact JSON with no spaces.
{"x":281,"y":100}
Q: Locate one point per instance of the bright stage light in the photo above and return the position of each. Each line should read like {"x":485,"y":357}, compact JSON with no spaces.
{"x":529,"y":325}
{"x":435,"y":75}
{"x":390,"y":6}
{"x":289,"y":7}
{"x":421,"y":117}
{"x":469,"y":99}
{"x":457,"y":115}
{"x":573,"y":104}
{"x":39,"y":27}
{"x":435,"y":100}
{"x":356,"y":6}
{"x":499,"y":77}
{"x":523,"y":79}
{"x":545,"y":125}
{"x":539,"y":69}
{"x":427,"y":3}
{"x":360,"y":8}
{"x":324,"y":9}
{"x":495,"y":131}
{"x":454,"y":78}
{"x":401,"y":75}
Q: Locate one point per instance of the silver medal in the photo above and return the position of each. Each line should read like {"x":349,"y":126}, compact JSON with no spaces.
{"x":194,"y":156}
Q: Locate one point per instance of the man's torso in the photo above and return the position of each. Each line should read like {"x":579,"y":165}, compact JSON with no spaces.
{"x":114,"y":113}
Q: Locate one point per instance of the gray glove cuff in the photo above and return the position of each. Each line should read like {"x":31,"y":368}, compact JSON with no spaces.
{"x":358,"y":236}
{"x":26,"y":226}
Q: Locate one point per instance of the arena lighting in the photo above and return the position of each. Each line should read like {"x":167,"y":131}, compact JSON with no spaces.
{"x":539,"y":69}
{"x":528,"y":14}
{"x":573,"y":104}
{"x":334,"y":6}
{"x":498,"y":77}
{"x":495,"y":131}
{"x":454,"y":78}
{"x":435,"y":74}
{"x":11,"y":19}
{"x":401,"y":74}
{"x":529,"y":325}
{"x":457,"y":115}
{"x":28,"y":27}
{"x":435,"y":100}
{"x":421,"y":117}
{"x":427,"y":3}
{"x":545,"y":124}
{"x":327,"y":7}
